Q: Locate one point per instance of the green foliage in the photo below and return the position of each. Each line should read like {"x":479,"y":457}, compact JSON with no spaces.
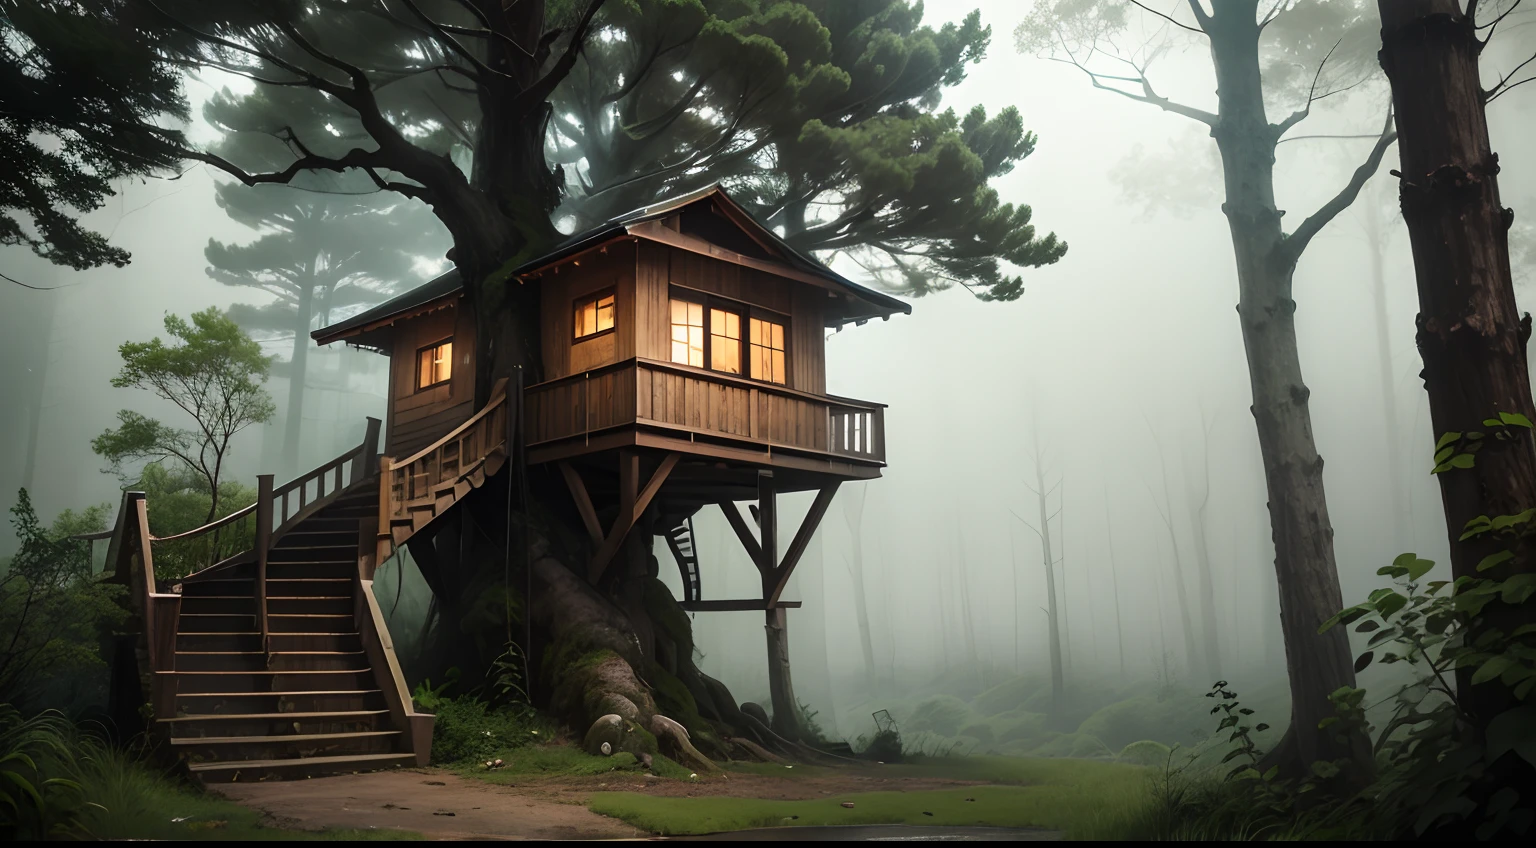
{"x":468,"y":730}
{"x":35,"y":801}
{"x":52,"y":605}
{"x":85,"y":98}
{"x":1167,"y":720}
{"x":214,"y":373}
{"x":178,"y":501}
{"x":944,"y":715}
{"x":1146,"y":753}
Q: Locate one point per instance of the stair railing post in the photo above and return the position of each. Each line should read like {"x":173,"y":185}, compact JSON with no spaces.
{"x":369,"y":462}
{"x":262,"y":544}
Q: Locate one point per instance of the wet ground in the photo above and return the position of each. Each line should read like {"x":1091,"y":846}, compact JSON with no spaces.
{"x":441,"y":805}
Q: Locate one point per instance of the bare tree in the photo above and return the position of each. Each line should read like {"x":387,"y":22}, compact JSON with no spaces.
{"x":1165,"y":512}
{"x":1198,"y":504}
{"x":853,"y":515}
{"x":1114,"y":580}
{"x":1087,"y":36}
{"x":1043,"y":532}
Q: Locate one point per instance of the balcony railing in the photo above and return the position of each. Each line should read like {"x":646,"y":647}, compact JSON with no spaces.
{"x":696,"y":402}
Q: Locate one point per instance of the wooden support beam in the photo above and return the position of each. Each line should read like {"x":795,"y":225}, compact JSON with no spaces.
{"x":768,"y":528}
{"x":739,"y":524}
{"x":583,"y":502}
{"x":633,"y":500}
{"x":802,"y":540}
{"x":743,"y":605}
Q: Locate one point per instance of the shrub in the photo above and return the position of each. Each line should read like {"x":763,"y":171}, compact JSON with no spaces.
{"x":468,"y":729}
{"x":943,"y":715}
{"x":1146,"y":753}
{"x":1176,"y":719}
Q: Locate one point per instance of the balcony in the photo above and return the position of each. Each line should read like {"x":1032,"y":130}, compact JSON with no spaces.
{"x":646,"y":402}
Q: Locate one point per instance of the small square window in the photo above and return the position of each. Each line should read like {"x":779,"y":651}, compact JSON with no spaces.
{"x":434,"y":364}
{"x":687,"y":333}
{"x":594,"y":314}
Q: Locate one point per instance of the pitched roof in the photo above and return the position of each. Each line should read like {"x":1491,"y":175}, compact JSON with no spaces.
{"x":859,"y":303}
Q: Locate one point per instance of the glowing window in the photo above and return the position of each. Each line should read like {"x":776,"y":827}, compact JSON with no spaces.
{"x":766,"y":353}
{"x":724,"y":341}
{"x":594,"y":314}
{"x":687,"y":333}
{"x":434,"y":364}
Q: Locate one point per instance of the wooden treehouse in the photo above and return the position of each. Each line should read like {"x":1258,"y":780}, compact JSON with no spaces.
{"x":683,"y":351}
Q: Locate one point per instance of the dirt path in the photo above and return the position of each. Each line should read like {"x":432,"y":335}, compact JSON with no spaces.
{"x":441,"y":805}
{"x":432,"y":802}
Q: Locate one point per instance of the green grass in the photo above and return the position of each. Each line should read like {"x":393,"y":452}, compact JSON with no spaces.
{"x":132,"y":802}
{"x":1086,"y":799}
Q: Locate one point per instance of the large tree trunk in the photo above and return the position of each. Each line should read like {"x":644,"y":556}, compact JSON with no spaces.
{"x":298,"y":367}
{"x":1293,"y":471}
{"x":1470,"y":334}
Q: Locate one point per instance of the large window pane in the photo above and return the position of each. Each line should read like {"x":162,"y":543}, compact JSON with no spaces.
{"x":725,"y":341}
{"x":434,"y":364}
{"x":766,"y":352}
{"x":687,"y":333}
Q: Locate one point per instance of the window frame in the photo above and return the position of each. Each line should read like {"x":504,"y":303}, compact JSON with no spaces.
{"x":744,"y":311}
{"x":594,"y":297}
{"x":416,"y":365}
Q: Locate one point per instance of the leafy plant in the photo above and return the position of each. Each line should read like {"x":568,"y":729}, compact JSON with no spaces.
{"x":37,"y":801}
{"x":429,"y":697}
{"x":508,"y":678}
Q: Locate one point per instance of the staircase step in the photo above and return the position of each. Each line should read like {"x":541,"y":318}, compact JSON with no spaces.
{"x":250,"y":642}
{"x":323,"y":700}
{"x":293,"y":716}
{"x":276,"y":661}
{"x":218,"y":605}
{"x":287,"y":586}
{"x":310,"y":623}
{"x":295,"y":745}
{"x":315,"y":552}
{"x":286,"y":725}
{"x":250,"y":770}
{"x":216,"y":622}
{"x":252,"y":681}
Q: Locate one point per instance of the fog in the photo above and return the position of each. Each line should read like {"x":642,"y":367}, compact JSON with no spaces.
{"x":1129,"y":342}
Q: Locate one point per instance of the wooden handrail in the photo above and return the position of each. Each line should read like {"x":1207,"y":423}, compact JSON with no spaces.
{"x":704,"y":374}
{"x":498,"y":395}
{"x":209,"y":527}
{"x":262,"y":545}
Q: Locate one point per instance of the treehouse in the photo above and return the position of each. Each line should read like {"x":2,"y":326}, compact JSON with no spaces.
{"x":683,"y":350}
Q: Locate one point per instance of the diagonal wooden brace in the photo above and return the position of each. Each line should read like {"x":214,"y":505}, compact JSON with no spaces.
{"x":774,"y":584}
{"x":632,"y":503}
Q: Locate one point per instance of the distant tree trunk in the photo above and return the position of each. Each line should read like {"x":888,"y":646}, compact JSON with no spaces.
{"x":1066,"y":606}
{"x":1058,"y":681}
{"x":853,"y":514}
{"x":1114,"y":581}
{"x":1013,"y":571}
{"x":1197,"y":511}
{"x":298,"y":364}
{"x":37,"y":383}
{"x":1192,"y":657}
{"x":1470,"y":333}
{"x":967,"y":619}
{"x":1375,"y":238}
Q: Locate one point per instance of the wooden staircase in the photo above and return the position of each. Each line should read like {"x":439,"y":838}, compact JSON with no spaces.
{"x":305,"y":704}
{"x":274,"y":661}
{"x":680,"y":540}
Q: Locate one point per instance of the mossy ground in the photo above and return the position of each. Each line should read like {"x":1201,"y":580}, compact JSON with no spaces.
{"x":137,"y":803}
{"x":1085,"y":799}
{"x":559,"y":760}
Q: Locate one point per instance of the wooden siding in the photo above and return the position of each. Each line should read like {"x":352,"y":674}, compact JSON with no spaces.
{"x":418,"y":418}
{"x":659,"y":267}
{"x":563,"y":355}
{"x":694,"y":401}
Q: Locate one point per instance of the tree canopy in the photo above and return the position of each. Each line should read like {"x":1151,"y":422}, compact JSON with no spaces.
{"x":212,"y":373}
{"x":83,"y":94}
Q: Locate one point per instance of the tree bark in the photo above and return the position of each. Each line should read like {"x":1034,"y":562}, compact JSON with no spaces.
{"x":1304,"y":566}
{"x":1470,"y":334}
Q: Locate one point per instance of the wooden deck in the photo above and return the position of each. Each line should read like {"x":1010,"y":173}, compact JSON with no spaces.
{"x":648,"y":403}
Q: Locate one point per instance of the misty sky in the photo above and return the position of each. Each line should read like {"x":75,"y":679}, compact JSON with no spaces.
{"x":1133,"y":332}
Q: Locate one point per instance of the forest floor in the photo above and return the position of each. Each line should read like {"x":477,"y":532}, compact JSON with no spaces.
{"x":1030,"y":799}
